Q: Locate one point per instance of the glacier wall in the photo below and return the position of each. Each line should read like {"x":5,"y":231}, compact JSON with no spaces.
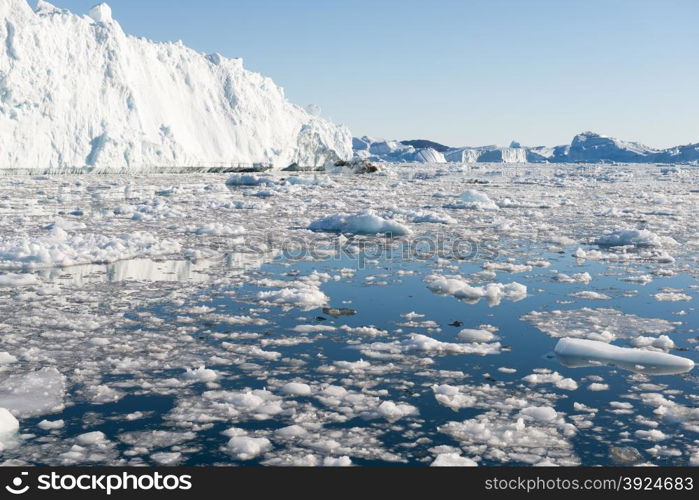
{"x":76,"y":92}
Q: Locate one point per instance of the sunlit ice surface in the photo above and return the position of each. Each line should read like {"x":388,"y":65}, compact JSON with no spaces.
{"x":406,"y":317}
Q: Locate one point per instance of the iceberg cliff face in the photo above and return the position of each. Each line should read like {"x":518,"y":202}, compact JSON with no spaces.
{"x":77,"y":92}
{"x":591,"y":147}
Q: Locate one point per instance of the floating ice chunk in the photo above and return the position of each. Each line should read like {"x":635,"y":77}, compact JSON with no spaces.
{"x":555,"y":378}
{"x":452,"y":460}
{"x":636,"y":237}
{"x":296,"y":389}
{"x":604,"y":324}
{"x":9,"y":427}
{"x":651,"y":435}
{"x":8,"y":423}
{"x":475,"y":200}
{"x":33,"y":394}
{"x":507,"y":267}
{"x":461,"y":289}
{"x":310,"y":181}
{"x":672,"y":297}
{"x":418,"y":342}
{"x":249,"y":180}
{"x":366,"y":222}
{"x":91,"y":438}
{"x":7,"y":359}
{"x":258,"y":404}
{"x":582,"y":352}
{"x":392,"y":411}
{"x":540,"y":413}
{"x":478,"y":336}
{"x":589,"y":295}
{"x":291,"y":432}
{"x":101,"y":394}
{"x":168,"y":458}
{"x":434,"y":218}
{"x":498,"y":436}
{"x":343,"y":461}
{"x":305,"y":298}
{"x":218,"y":229}
{"x":201,"y":374}
{"x":247,"y":448}
{"x":50,"y":425}
{"x":452,"y":397}
{"x":313,"y":328}
{"x":576,"y":278}
{"x":663,"y":342}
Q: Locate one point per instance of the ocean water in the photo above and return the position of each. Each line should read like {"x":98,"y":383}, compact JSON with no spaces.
{"x":381,"y":291}
{"x":160,"y":320}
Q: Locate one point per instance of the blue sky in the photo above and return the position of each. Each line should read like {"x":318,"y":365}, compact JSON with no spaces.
{"x":460,"y":72}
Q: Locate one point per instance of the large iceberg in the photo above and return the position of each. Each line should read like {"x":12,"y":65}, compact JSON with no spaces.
{"x":77,"y":93}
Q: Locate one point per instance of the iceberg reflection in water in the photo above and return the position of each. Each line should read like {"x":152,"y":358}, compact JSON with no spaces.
{"x":577,"y":353}
{"x":150,"y":270}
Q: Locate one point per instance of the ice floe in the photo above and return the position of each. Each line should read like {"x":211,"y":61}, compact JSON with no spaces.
{"x":366,"y":222}
{"x":461,"y":289}
{"x":583,"y":352}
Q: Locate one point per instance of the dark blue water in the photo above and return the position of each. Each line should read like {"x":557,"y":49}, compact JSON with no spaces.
{"x":525,"y":349}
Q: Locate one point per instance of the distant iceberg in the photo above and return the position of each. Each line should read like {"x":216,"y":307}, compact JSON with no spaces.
{"x":587,"y":147}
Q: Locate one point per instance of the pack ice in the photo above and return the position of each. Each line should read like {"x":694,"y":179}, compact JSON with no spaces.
{"x":77,"y":93}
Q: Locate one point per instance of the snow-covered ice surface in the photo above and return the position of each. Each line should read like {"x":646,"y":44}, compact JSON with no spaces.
{"x":169,"y":319}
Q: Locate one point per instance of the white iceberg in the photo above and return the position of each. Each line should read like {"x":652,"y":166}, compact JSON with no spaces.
{"x":80,"y":94}
{"x":584,"y":352}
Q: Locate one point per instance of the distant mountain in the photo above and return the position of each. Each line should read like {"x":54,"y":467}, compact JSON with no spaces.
{"x":423,"y":144}
{"x":587,"y":147}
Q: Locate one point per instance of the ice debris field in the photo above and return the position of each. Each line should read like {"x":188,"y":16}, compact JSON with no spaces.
{"x":427,"y":315}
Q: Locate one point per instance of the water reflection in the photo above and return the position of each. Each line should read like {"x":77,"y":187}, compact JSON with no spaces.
{"x":150,"y":270}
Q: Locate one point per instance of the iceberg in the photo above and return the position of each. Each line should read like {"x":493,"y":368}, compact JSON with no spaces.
{"x":79,"y":94}
{"x":583,"y":352}
{"x":587,"y":147}
{"x":365,"y":222}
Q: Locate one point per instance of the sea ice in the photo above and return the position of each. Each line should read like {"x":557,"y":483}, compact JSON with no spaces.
{"x":475,"y":200}
{"x":33,"y":394}
{"x":639,"y":238}
{"x":366,"y":222}
{"x":459,"y":288}
{"x":581,"y":352}
{"x":452,"y":460}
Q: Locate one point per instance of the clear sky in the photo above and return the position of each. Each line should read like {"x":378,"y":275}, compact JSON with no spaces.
{"x":459,"y":72}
